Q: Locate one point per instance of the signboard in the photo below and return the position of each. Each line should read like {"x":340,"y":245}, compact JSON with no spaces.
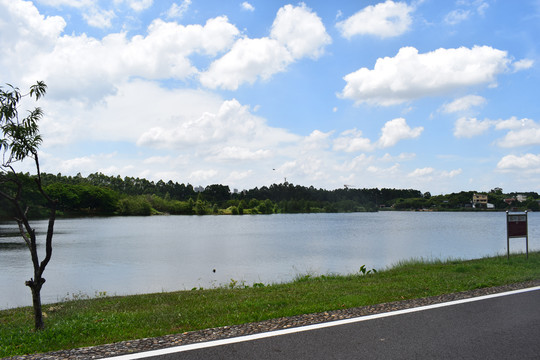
{"x":516,"y":226}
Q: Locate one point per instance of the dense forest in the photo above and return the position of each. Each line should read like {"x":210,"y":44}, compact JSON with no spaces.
{"x":99,"y":194}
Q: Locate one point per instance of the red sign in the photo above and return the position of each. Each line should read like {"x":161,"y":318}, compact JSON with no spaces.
{"x":517,"y":225}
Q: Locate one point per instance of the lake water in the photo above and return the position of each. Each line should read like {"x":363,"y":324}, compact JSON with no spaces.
{"x":129,"y":255}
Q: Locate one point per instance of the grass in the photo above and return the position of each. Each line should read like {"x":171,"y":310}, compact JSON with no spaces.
{"x":102,"y":320}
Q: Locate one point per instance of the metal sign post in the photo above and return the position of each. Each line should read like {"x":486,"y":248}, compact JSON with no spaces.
{"x":516,"y":227}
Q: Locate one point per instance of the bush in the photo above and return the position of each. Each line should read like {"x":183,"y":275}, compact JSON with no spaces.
{"x":137,"y":205}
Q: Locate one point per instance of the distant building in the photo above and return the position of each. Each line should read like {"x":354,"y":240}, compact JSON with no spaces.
{"x":509,"y":201}
{"x":521,"y":197}
{"x":480,"y":199}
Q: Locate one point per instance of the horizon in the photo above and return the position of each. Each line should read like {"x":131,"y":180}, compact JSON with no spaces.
{"x":414,"y":94}
{"x":200,"y":188}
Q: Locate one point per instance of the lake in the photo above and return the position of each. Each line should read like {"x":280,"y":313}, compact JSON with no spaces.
{"x":130,"y":255}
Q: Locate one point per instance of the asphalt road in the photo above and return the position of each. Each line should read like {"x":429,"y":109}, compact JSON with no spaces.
{"x":504,"y":327}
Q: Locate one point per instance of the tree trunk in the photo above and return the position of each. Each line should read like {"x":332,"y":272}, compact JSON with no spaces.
{"x":35,"y":286}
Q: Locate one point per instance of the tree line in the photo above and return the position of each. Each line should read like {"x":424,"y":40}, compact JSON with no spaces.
{"x":99,"y":194}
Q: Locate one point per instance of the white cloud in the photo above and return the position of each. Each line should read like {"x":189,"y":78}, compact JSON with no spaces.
{"x":84,"y":67}
{"x":202,"y":176}
{"x":482,"y":6}
{"x":392,"y":132}
{"x":232,"y":124}
{"x":70,"y":3}
{"x":137,"y":5}
{"x":401,"y":157}
{"x":451,"y":174}
{"x":125,"y":115}
{"x":522,"y":137}
{"x":317,"y":140}
{"x":467,"y":128}
{"x":91,"y":12}
{"x":240,"y":153}
{"x":410,"y":75}
{"x":523,"y":64}
{"x":352,"y":141}
{"x":396,"y":130}
{"x":26,"y":35}
{"x":421,"y":172}
{"x":236,"y":176}
{"x":391,"y":171}
{"x":296,"y":32}
{"x":248,"y":60}
{"x":514,"y":123}
{"x":300,"y":30}
{"x":75,"y":165}
{"x":456,"y":16}
{"x":99,"y":18}
{"x":464,"y":104}
{"x":177,"y":11}
{"x":357,"y":163}
{"x":529,"y":163}
{"x":428,"y":174}
{"x":523,"y":132}
{"x":247,"y":6}
{"x":386,"y":19}
{"x":468,"y":9}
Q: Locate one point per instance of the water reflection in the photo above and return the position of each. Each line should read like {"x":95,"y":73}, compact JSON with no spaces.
{"x":126,"y":255}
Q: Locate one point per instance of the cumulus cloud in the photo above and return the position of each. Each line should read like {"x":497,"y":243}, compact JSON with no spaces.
{"x":317,"y":140}
{"x":528,"y":163}
{"x":514,"y":123}
{"x":177,"y":11}
{"x":421,"y":172}
{"x":300,"y":30}
{"x":137,"y":5}
{"x":247,"y":6}
{"x":464,"y":104}
{"x":203,"y":176}
{"x":522,"y":137}
{"x":85,"y":67}
{"x":523,"y":64}
{"x":392,"y":132}
{"x":248,"y":60}
{"x":99,"y":18}
{"x":125,"y":115}
{"x":430,"y":174}
{"x":92,"y":13}
{"x":396,"y":130}
{"x":468,"y":128}
{"x":233,"y":123}
{"x":352,"y":141}
{"x":401,"y":157}
{"x":26,"y":35}
{"x":522,"y":132}
{"x":411,"y":75}
{"x":386,"y":19}
{"x":240,"y":153}
{"x":297,"y":32}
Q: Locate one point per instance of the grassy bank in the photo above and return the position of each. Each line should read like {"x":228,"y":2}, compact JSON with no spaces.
{"x":110,"y":319}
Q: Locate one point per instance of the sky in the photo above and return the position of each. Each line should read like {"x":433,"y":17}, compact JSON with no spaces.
{"x":438,"y":96}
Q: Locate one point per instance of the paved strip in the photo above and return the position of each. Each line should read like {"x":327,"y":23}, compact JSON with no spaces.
{"x":241,"y":339}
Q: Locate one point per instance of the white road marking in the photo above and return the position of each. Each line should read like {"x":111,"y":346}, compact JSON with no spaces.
{"x":264,"y":335}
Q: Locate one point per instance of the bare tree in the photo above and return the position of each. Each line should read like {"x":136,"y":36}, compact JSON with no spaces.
{"x":20,"y":140}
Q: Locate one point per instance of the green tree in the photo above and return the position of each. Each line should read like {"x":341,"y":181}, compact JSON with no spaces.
{"x":20,"y":140}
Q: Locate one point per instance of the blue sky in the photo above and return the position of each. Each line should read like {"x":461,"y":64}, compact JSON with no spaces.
{"x":439,"y":96}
